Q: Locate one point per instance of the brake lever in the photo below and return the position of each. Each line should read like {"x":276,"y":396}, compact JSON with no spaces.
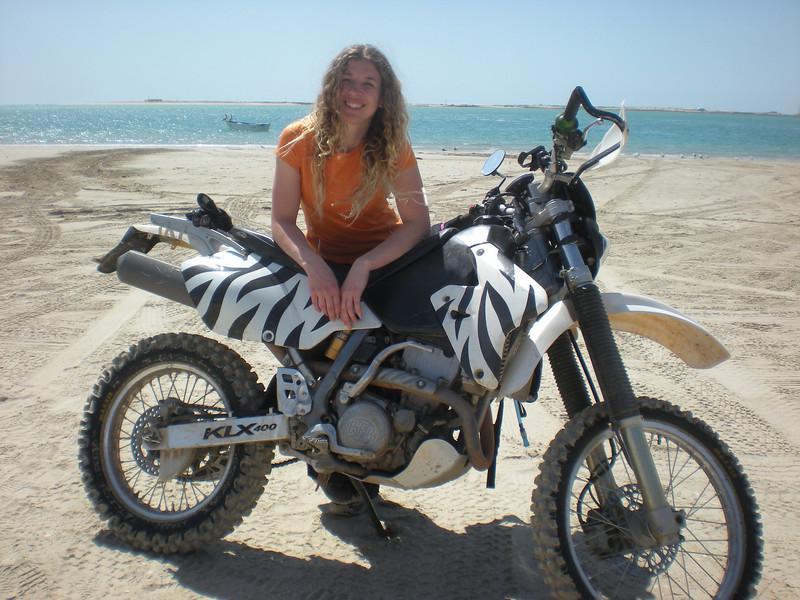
{"x":539,"y":159}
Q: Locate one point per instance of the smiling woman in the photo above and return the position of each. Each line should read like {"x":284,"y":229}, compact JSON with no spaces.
{"x":339,"y":165}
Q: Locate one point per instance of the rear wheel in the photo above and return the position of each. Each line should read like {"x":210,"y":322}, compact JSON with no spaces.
{"x":207,"y":491}
{"x":586,"y":522}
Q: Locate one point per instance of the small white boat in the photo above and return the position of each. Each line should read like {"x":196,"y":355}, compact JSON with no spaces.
{"x":244,"y":126}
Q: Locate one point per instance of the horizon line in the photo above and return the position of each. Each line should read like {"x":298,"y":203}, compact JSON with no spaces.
{"x":420,"y":104}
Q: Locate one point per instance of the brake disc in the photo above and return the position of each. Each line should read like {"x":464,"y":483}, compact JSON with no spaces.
{"x":147,"y":460}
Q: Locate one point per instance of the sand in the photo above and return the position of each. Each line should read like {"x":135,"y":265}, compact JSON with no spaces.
{"x":719,"y":239}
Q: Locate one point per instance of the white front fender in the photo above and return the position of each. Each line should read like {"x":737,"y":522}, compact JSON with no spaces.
{"x":626,"y":312}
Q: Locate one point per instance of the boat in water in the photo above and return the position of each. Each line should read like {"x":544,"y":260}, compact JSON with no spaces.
{"x":244,"y":126}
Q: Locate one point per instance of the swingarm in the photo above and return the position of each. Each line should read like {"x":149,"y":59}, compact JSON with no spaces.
{"x":219,"y":432}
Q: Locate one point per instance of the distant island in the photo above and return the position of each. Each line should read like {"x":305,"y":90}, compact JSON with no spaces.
{"x":447,"y":105}
{"x":613,"y":108}
{"x":240,"y":102}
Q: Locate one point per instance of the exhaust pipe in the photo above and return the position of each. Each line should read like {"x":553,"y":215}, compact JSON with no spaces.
{"x":154,"y":276}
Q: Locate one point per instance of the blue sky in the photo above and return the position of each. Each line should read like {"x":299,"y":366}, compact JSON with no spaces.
{"x":716,"y":54}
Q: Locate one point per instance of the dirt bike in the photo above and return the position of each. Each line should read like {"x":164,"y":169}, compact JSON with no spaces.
{"x":635,"y":497}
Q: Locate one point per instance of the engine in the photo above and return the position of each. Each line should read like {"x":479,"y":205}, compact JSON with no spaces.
{"x":385,"y":427}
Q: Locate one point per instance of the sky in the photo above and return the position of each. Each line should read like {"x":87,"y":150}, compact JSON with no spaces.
{"x":715,"y":54}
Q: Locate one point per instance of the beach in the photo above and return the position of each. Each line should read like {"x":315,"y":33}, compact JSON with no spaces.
{"x":716,"y":238}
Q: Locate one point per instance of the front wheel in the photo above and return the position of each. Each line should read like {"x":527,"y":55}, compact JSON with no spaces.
{"x":586,"y":520}
{"x":163,"y":378}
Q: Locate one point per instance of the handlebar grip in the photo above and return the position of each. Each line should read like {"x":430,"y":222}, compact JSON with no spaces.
{"x":575,"y":100}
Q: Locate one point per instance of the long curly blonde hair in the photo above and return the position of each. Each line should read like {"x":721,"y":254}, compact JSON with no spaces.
{"x":386,"y":137}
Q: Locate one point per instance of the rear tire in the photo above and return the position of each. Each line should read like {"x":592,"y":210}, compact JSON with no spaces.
{"x":582,"y":543}
{"x":217,"y":487}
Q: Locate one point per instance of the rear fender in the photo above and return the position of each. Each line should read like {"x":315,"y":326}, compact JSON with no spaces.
{"x":175,"y":231}
{"x":640,"y":315}
{"x":140,"y":238}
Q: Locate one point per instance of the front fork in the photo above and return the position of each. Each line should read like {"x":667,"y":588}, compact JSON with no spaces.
{"x":663,"y":522}
{"x":573,"y":392}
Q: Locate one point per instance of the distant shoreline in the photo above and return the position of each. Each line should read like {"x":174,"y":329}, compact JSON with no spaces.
{"x":422,"y":151}
{"x":433,"y":105}
{"x":160,"y":101}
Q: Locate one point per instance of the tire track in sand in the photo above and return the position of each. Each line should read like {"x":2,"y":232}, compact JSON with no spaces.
{"x":46,"y":311}
{"x":23,"y":580}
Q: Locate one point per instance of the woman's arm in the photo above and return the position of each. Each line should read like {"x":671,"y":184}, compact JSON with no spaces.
{"x":325,"y":294}
{"x":412,"y":207}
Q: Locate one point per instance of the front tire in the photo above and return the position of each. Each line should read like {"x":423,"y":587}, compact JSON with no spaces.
{"x":582,"y":528}
{"x":215,"y":487}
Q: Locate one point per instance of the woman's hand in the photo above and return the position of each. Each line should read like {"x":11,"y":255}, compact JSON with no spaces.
{"x":324,"y":288}
{"x":322,"y":282}
{"x":352,"y":288}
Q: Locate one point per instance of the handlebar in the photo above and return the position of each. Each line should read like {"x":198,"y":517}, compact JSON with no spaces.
{"x":566,"y":135}
{"x":579,"y":98}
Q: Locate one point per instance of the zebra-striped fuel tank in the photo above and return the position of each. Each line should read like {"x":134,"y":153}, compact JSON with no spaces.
{"x":247,"y":298}
{"x":479,"y":318}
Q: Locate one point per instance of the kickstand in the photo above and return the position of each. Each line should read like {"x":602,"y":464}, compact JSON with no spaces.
{"x":373,"y":514}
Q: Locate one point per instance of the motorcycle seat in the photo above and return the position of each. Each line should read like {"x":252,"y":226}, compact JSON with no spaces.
{"x":267,"y":249}
{"x":437,"y":238}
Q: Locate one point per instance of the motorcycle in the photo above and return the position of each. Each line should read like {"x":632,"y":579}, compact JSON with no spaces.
{"x":634,"y":498}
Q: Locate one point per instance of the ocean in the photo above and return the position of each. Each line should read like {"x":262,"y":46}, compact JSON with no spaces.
{"x":451,"y":128}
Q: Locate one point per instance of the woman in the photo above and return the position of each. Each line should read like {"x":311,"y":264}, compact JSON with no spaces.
{"x":339,"y":165}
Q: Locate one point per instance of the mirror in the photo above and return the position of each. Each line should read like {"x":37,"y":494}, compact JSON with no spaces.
{"x":493,"y":163}
{"x":613,"y":136}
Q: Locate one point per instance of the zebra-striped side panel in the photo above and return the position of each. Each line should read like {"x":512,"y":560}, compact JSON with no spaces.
{"x":247,"y":299}
{"x":477,"y":319}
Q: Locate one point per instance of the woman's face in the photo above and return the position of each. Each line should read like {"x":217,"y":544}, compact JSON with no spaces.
{"x":359,"y":92}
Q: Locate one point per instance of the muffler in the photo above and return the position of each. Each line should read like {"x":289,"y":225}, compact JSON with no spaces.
{"x":154,"y":276}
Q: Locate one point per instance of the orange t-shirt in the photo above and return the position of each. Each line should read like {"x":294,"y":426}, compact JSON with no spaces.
{"x":334,"y":236}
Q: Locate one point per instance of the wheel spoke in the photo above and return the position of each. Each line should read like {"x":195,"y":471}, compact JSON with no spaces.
{"x":694,"y":579}
{"x":183,"y":496}
{"x":686,"y":478}
{"x":140,"y":397}
{"x":685,"y":570}
{"x":161,"y":395}
{"x":683,"y":590}
{"x":709,"y":553}
{"x":672,"y":483}
{"x":131,"y":469}
{"x":703,"y":545}
{"x":670,"y":489}
{"x":621,"y":579}
{"x":194,"y":386}
{"x":127,"y":419}
{"x":195,"y":489}
{"x":136,"y":479}
{"x":163,"y":496}
{"x":624,"y":462}
{"x":696,"y":508}
{"x":172,"y":377}
{"x":708,"y":522}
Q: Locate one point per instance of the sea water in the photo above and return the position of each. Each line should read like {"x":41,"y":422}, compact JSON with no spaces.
{"x":450,"y":128}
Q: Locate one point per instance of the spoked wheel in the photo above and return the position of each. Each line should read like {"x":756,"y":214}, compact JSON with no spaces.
{"x":178,"y":500}
{"x":589,"y":527}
